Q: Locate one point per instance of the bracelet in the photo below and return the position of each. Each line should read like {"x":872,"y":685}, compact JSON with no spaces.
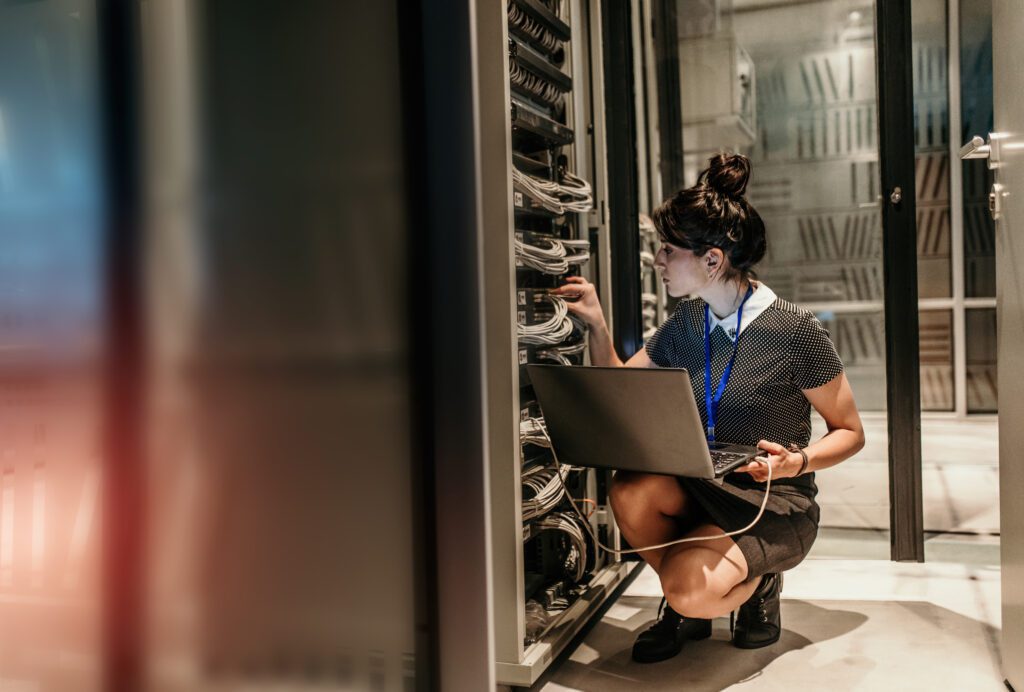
{"x":803,"y":466}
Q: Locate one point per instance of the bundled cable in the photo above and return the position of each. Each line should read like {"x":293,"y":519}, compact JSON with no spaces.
{"x":545,"y":488}
{"x":529,"y":26}
{"x":534,"y":84}
{"x":560,"y":354}
{"x":576,"y":560}
{"x":553,"y":256}
{"x":552,"y":332}
{"x":533,"y":431}
{"x":573,"y":194}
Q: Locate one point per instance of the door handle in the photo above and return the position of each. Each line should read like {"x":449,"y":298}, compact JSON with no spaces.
{"x":978,"y":148}
{"x":975,"y":149}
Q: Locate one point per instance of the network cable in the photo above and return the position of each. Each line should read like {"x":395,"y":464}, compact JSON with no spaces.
{"x":533,"y":431}
{"x":547,"y":487}
{"x":536,"y":85}
{"x":563,"y":522}
{"x":522,"y":21}
{"x":551,"y":332}
{"x":573,"y":194}
{"x":553,"y":256}
{"x":560,"y":354}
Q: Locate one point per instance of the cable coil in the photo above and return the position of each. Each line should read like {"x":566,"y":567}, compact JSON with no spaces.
{"x":551,"y":332}
{"x":573,"y":194}
{"x":553,"y":257}
{"x":520,"y":20}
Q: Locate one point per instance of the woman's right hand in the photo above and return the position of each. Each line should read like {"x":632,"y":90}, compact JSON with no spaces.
{"x":581,"y":299}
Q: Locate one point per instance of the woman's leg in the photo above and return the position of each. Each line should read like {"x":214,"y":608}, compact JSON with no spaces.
{"x":650,"y":509}
{"x":705,"y":579}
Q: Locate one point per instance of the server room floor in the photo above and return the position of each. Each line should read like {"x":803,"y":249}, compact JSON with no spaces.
{"x":849,"y":624}
{"x":853,"y":620}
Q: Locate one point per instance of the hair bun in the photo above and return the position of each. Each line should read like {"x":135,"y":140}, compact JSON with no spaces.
{"x":728,"y":174}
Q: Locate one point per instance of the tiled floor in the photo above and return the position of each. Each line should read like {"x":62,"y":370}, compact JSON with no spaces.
{"x":850,"y":624}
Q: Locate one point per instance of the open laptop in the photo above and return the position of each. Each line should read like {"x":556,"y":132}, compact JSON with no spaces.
{"x":635,"y":419}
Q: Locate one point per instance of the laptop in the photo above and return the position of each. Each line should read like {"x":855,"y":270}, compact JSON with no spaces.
{"x":633,"y":419}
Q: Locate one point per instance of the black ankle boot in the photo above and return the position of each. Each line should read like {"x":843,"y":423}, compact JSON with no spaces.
{"x":759,"y":622}
{"x":665,"y":638}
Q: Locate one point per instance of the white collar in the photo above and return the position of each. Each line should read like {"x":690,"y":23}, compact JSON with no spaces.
{"x":759,"y":300}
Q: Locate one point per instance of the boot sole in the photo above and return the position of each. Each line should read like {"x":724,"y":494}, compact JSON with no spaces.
{"x":659,"y":659}
{"x":757,"y":645}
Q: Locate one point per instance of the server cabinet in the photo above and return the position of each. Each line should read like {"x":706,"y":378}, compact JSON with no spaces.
{"x":541,"y":138}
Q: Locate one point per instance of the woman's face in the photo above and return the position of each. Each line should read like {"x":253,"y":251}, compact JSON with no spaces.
{"x":682,"y":271}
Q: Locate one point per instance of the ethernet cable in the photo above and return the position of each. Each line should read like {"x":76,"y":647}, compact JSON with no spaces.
{"x":536,"y":85}
{"x":552,"y":332}
{"x":548,"y":486}
{"x":522,"y":21}
{"x":532,"y":431}
{"x":573,"y":194}
{"x":549,"y":258}
{"x":553,"y":257}
{"x":563,"y":522}
{"x":560,"y":354}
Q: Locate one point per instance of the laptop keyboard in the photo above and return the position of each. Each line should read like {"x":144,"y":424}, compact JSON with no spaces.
{"x":722,"y":459}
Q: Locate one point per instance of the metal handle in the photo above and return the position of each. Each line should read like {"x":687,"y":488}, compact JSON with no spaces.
{"x":975,"y":149}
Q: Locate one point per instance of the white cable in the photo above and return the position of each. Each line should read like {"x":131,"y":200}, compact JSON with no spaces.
{"x":552,"y":257}
{"x":590,"y":529}
{"x":518,"y":18}
{"x":573,"y":194}
{"x":535,"y":84}
{"x":549,"y":488}
{"x":531,"y":431}
{"x":552,"y":332}
{"x":560,"y":354}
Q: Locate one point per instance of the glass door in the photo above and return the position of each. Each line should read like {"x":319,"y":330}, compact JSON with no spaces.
{"x":792,"y":85}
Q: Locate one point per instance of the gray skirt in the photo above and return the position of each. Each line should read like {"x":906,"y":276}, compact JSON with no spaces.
{"x":782,"y":537}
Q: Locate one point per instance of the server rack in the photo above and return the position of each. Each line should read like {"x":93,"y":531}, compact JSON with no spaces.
{"x":546,"y":125}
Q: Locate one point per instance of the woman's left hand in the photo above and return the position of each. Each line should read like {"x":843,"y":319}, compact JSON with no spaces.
{"x":784,"y":463}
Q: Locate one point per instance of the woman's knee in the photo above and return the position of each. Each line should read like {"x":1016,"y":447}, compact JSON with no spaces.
{"x":690,"y":588}
{"x":640,"y":493}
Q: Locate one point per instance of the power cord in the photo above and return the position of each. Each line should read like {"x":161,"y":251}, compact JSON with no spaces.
{"x":590,"y":529}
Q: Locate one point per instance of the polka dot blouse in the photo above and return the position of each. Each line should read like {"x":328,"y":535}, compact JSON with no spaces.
{"x":784,"y":350}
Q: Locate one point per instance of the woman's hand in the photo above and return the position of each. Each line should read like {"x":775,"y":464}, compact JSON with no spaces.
{"x":581,"y":299}
{"x":784,"y":463}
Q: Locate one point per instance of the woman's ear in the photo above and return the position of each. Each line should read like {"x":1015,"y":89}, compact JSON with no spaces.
{"x":713,"y":260}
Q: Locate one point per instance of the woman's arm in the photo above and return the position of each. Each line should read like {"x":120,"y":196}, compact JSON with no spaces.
{"x":845,"y":437}
{"x":581,"y":300}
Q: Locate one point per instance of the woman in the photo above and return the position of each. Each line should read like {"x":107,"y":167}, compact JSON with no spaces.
{"x":782,"y":363}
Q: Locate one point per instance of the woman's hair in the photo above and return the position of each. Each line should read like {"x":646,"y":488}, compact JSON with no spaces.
{"x":714,"y":213}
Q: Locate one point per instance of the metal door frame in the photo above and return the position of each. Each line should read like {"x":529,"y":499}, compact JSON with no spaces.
{"x":899,"y":263}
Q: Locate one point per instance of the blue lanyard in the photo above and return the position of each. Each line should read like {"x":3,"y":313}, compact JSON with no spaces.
{"x":711,"y":402}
